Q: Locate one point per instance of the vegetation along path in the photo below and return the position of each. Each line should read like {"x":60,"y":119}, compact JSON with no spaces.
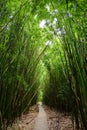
{"x":41,"y":120}
{"x":43,"y":58}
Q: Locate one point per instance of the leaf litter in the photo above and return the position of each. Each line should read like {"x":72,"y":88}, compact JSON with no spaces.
{"x":56,"y":120}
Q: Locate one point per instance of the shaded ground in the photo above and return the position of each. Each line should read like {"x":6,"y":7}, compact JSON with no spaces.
{"x":56,"y":120}
{"x":26,"y":121}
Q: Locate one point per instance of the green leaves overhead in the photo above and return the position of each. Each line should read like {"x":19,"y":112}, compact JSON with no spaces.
{"x":43,"y":54}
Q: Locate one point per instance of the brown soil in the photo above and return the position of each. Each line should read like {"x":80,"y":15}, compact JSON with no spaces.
{"x":56,"y":120}
{"x":26,"y":121}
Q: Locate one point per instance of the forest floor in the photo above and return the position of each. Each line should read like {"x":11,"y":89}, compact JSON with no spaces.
{"x":56,"y":120}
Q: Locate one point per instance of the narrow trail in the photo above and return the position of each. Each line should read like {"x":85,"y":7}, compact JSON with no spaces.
{"x":41,"y":120}
{"x":46,"y":119}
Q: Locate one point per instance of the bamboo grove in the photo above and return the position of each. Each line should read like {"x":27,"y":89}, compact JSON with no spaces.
{"x":43,"y":56}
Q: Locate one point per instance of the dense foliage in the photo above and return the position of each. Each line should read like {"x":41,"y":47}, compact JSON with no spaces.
{"x":58,"y":92}
{"x":43,"y":56}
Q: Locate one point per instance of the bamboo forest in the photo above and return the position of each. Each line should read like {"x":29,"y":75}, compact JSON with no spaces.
{"x":43,"y":64}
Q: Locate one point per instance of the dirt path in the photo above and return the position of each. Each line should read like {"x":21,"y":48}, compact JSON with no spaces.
{"x":41,"y":120}
{"x":44,"y":119}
